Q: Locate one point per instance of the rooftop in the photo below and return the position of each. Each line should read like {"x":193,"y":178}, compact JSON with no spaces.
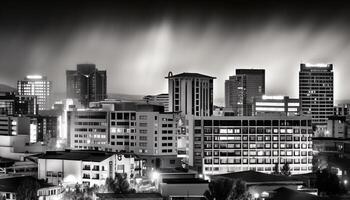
{"x":10,"y":184}
{"x":253,"y":177}
{"x":129,"y":196}
{"x":94,"y":156}
{"x":187,"y":74}
{"x":184,"y":181}
{"x":288,"y":194}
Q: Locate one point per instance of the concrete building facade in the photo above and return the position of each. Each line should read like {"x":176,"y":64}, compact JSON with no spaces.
{"x":279,"y":105}
{"x":38,"y":86}
{"x":217,"y":145}
{"x":191,"y":93}
{"x":316,"y":93}
{"x":241,"y":89}
{"x":86,"y":84}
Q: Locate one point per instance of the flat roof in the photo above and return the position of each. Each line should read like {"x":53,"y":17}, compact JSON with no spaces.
{"x":187,"y":74}
{"x":94,"y":156}
{"x":184,"y":181}
{"x":253,"y":177}
{"x":129,"y":196}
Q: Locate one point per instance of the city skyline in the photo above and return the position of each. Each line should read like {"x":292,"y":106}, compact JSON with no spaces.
{"x":213,"y":40}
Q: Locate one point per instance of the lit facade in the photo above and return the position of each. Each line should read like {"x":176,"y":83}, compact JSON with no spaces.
{"x":38,"y":86}
{"x":280,"y":105}
{"x":84,"y":167}
{"x":316,"y":92}
{"x":12,"y":104}
{"x":217,"y":145}
{"x":87,"y":84}
{"x":191,"y":94}
{"x":125,"y":126}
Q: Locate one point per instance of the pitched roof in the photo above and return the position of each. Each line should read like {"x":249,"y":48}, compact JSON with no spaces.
{"x":94,"y":156}
{"x":253,"y":177}
{"x":187,"y":74}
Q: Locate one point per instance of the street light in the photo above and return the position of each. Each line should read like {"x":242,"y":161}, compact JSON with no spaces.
{"x":154,"y":176}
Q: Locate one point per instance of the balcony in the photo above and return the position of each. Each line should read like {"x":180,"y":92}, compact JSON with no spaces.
{"x":86,"y":168}
{"x":96,"y":169}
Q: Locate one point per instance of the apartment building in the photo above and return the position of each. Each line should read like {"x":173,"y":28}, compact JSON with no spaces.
{"x":85,"y":167}
{"x":218,"y":144}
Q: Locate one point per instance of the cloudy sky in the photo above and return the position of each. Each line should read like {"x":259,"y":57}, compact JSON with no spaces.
{"x":139,"y":42}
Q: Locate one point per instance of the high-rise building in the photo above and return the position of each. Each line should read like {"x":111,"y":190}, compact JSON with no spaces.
{"x":13,"y":105}
{"x":87,"y":84}
{"x":221,"y":144}
{"x":162,"y":99}
{"x":236,"y":94}
{"x":191,"y":94}
{"x":241,"y":89}
{"x":316,"y":92}
{"x":278,"y":105}
{"x":36,"y":85}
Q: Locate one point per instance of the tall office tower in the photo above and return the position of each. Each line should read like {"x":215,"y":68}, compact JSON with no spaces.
{"x":236,"y":94}
{"x":220,"y":144}
{"x":162,"y":99}
{"x":36,"y":85}
{"x":191,"y":93}
{"x":87,"y":84}
{"x":241,"y":89}
{"x":316,"y":93}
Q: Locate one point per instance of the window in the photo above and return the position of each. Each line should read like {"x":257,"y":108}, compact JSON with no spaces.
{"x":143,"y":117}
{"x":143,"y":137}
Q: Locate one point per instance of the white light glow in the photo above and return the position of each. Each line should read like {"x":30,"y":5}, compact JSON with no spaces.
{"x":33,"y":133}
{"x":154,"y":176}
{"x":316,"y":65}
{"x":264,"y":194}
{"x":70,"y":179}
{"x":269,"y":104}
{"x":34,"y":77}
{"x":293,"y":104}
{"x":269,"y":109}
{"x":265,"y":97}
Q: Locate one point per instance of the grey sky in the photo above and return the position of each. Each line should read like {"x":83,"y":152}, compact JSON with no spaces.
{"x":140,"y":45}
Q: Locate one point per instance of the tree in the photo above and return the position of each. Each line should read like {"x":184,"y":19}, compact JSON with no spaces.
{"x":285,"y":170}
{"x":276,"y":169}
{"x":239,"y":191}
{"x":219,"y":189}
{"x":27,"y":190}
{"x":328,"y":183}
{"x":118,"y":185}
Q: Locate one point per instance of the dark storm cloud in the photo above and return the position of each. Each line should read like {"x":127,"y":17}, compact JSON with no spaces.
{"x":139,"y":42}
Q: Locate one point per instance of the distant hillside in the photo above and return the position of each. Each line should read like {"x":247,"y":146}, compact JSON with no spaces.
{"x":125,"y":97}
{"x":6,"y":88}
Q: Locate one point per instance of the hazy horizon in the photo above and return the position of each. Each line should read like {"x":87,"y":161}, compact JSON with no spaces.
{"x":138,"y":43}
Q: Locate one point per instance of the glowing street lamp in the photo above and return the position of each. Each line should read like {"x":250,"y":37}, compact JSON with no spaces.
{"x":154,"y":176}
